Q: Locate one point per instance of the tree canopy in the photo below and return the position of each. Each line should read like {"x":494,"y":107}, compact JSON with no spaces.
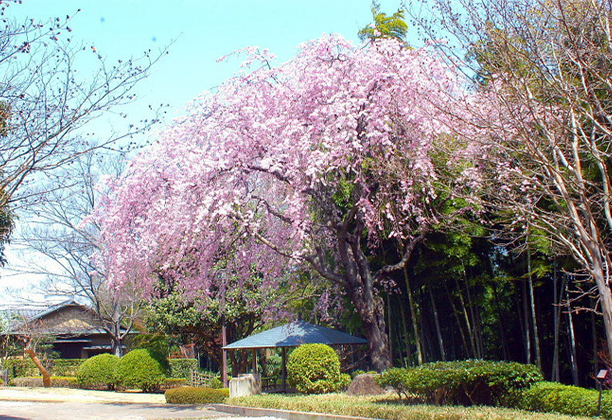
{"x":313,"y":163}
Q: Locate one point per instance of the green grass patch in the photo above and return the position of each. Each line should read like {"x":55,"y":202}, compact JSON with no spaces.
{"x":387,"y":407}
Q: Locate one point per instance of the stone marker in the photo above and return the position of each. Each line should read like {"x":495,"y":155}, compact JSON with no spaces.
{"x":247,"y":384}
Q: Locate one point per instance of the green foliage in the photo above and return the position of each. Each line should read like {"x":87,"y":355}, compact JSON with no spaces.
{"x":384,"y":26}
{"x":65,"y":367}
{"x":216,"y":383}
{"x":20,"y":367}
{"x":314,"y":369}
{"x":98,"y":372}
{"x":170,"y":383}
{"x":181,"y":368}
{"x":139,"y":369}
{"x":564,"y":399}
{"x":26,"y":367}
{"x":196,"y":395}
{"x":158,"y":347}
{"x":396,"y":378}
{"x":37,"y":381}
{"x":344,"y":381}
{"x":469,"y":382}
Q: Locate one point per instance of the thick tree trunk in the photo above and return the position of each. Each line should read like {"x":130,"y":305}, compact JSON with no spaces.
{"x":43,"y":371}
{"x":373,"y":319}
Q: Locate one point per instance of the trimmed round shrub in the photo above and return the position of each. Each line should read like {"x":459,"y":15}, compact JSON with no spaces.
{"x":196,"y":395}
{"x":158,"y":347}
{"x":98,"y":372}
{"x":138,"y":369}
{"x":315,"y":369}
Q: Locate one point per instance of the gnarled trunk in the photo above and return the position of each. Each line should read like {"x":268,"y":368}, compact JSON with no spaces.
{"x":43,"y":371}
{"x":372,"y":314}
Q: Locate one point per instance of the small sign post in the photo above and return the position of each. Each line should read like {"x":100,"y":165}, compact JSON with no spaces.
{"x":601,"y":376}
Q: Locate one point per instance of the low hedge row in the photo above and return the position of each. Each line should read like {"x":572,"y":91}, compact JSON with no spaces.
{"x":179,"y":368}
{"x":171,"y":383}
{"x":468,"y":382}
{"x":552,"y":397}
{"x":65,"y":367}
{"x":105,"y":371}
{"x":26,"y":367}
{"x":56,"y":381}
{"x":196,"y":395}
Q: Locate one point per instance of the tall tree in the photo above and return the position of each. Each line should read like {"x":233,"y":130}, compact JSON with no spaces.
{"x":63,"y":239}
{"x":45,"y":104}
{"x":547,"y":69}
{"x":315,"y":162}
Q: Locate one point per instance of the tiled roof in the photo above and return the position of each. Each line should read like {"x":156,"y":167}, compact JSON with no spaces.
{"x":293,"y":335}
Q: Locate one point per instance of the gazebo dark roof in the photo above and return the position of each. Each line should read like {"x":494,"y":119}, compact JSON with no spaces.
{"x":294,"y":334}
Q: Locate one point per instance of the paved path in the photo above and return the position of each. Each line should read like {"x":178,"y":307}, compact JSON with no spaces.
{"x":22,"y":410}
{"x":23,"y":403}
{"x":18,"y":393}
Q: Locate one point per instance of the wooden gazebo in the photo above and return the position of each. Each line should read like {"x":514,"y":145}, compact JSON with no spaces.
{"x":290,"y":335}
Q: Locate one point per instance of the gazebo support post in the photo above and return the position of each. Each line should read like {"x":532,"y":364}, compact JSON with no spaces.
{"x":254,"y":360}
{"x":284,"y":363}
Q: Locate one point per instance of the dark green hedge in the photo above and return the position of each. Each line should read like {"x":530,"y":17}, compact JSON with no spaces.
{"x":65,"y":367}
{"x":196,"y":395}
{"x":20,"y":367}
{"x":468,"y":382}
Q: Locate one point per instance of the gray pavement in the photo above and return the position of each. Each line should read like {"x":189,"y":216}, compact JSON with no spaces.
{"x":30,"y":410}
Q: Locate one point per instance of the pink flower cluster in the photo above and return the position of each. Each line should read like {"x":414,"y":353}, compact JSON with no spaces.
{"x":260,"y":172}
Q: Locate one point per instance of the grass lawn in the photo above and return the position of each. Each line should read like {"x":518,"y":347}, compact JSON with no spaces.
{"x":387,"y":407}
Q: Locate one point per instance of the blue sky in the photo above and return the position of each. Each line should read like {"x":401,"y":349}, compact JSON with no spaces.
{"x":197,"y":33}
